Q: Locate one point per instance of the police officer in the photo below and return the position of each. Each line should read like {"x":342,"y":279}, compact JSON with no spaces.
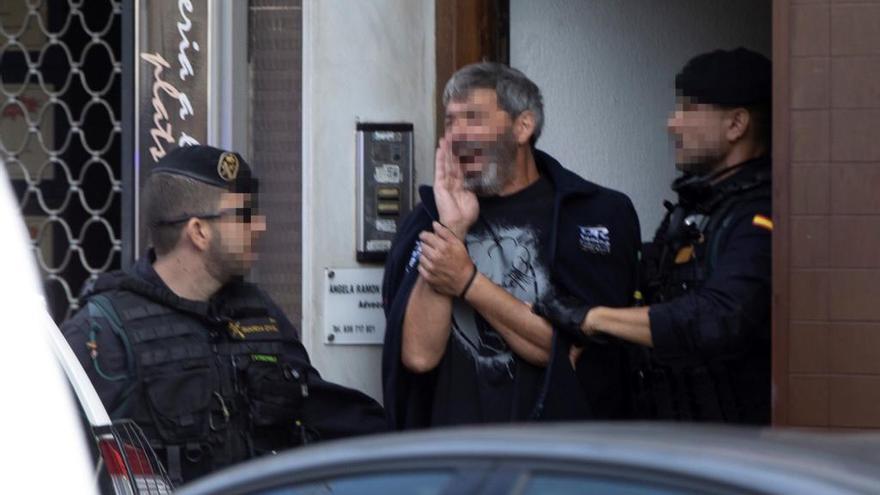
{"x":204,"y":362}
{"x":706,"y":275}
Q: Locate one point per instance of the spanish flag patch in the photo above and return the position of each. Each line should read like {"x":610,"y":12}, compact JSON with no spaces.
{"x":763,"y":222}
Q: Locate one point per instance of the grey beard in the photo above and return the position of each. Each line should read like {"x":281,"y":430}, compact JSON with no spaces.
{"x":498,"y":172}
{"x":488,"y":183}
{"x":495,"y":174}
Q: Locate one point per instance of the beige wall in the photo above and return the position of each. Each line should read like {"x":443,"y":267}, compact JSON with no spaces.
{"x":608,"y":92}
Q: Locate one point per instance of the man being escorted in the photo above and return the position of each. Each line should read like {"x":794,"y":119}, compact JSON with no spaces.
{"x":504,"y":225}
{"x":204,"y":362}
{"x":707,"y":272}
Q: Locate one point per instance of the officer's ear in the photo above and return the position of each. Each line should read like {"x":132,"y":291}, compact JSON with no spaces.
{"x":199,"y":233}
{"x":737,"y":123}
{"x":524,"y":127}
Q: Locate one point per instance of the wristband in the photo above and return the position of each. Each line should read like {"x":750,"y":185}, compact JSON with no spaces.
{"x":470,"y":282}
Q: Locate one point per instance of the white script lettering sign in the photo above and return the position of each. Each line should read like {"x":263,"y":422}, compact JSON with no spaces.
{"x":171,"y":101}
{"x":353,"y":306}
{"x":173,"y":76}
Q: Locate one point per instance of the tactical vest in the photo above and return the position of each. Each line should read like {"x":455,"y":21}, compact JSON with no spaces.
{"x":680,"y":259}
{"x":211,"y":387}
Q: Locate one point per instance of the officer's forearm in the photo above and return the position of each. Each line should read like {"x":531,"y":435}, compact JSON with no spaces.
{"x":527,"y":334}
{"x":426,"y":326}
{"x":630,"y":324}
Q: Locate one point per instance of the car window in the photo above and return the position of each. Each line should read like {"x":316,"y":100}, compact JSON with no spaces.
{"x":399,"y":483}
{"x":570,"y":484}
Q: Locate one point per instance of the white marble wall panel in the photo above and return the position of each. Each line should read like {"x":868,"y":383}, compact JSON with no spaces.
{"x":371,"y":60}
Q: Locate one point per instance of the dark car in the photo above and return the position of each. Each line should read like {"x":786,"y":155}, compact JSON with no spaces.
{"x":619,"y":458}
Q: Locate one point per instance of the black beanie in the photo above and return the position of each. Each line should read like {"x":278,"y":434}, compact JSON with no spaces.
{"x":728,"y":78}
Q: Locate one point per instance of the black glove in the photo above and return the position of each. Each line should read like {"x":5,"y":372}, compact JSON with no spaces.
{"x":566,"y":313}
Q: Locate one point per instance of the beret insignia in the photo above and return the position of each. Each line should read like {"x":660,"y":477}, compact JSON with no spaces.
{"x":227,"y":166}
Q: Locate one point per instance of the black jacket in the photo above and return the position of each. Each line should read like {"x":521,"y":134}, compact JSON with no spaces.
{"x":209,"y":383}
{"x":712,"y":341}
{"x":599,"y":389}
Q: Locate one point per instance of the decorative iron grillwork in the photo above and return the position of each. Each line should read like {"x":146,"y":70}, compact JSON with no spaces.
{"x":60,"y":135}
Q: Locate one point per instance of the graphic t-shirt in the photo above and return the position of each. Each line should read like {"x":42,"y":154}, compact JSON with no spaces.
{"x":480,"y":379}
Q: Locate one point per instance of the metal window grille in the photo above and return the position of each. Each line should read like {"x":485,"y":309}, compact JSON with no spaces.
{"x":60,"y":135}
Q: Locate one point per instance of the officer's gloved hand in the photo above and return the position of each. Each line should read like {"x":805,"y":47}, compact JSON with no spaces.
{"x":566,"y":313}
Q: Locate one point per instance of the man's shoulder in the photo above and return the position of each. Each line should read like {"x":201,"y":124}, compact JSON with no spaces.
{"x":424,"y":210}
{"x":415,"y":221}
{"x":752,"y":188}
{"x":570,"y":183}
{"x":107,"y":282}
{"x":758,"y":204}
{"x":612,"y":197}
{"x":603,"y":201}
{"x":746,"y":207}
{"x":109,"y":286}
{"x":75,"y":326}
{"x":252,"y":295}
{"x":747,"y":218}
{"x":97,"y":297}
{"x":249,"y":294}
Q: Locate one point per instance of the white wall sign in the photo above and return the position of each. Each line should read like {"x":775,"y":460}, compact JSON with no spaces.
{"x":353,"y":306}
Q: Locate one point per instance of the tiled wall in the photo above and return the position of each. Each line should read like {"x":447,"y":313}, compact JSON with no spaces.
{"x":833,"y":262}
{"x":275,"y":56}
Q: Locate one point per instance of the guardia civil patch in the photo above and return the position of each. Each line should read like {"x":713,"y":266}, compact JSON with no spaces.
{"x":242,"y":329}
{"x":594,"y":239}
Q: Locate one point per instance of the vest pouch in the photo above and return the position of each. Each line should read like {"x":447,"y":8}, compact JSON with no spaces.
{"x":275,"y":393}
{"x":180,"y":403}
{"x":649,"y":270}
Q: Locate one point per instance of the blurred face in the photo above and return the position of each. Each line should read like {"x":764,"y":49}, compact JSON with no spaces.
{"x":699,"y":134}
{"x":481,"y":138}
{"x":232,"y":250}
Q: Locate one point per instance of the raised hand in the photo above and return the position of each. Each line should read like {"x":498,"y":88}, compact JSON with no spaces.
{"x":457,"y":206}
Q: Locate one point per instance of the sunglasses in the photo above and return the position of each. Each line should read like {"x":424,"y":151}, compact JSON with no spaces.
{"x":245,"y":215}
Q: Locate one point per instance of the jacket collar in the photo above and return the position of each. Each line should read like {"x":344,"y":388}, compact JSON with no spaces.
{"x":565,"y":182}
{"x":145,"y":281}
{"x":143,"y":269}
{"x":700,"y":193}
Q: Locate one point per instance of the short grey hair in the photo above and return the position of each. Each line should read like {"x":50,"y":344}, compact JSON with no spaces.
{"x":516,"y":93}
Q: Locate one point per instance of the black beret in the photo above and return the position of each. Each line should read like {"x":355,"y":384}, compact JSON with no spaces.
{"x":731,"y":78}
{"x":213,"y":166}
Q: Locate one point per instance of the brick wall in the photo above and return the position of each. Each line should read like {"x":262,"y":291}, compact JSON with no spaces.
{"x":827,"y":332}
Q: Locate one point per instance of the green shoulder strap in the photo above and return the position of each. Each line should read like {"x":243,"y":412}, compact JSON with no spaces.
{"x":100,"y":306}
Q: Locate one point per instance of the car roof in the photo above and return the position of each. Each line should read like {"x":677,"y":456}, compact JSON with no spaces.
{"x":754,"y":459}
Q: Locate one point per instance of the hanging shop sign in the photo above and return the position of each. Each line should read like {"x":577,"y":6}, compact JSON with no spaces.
{"x":171,"y":82}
